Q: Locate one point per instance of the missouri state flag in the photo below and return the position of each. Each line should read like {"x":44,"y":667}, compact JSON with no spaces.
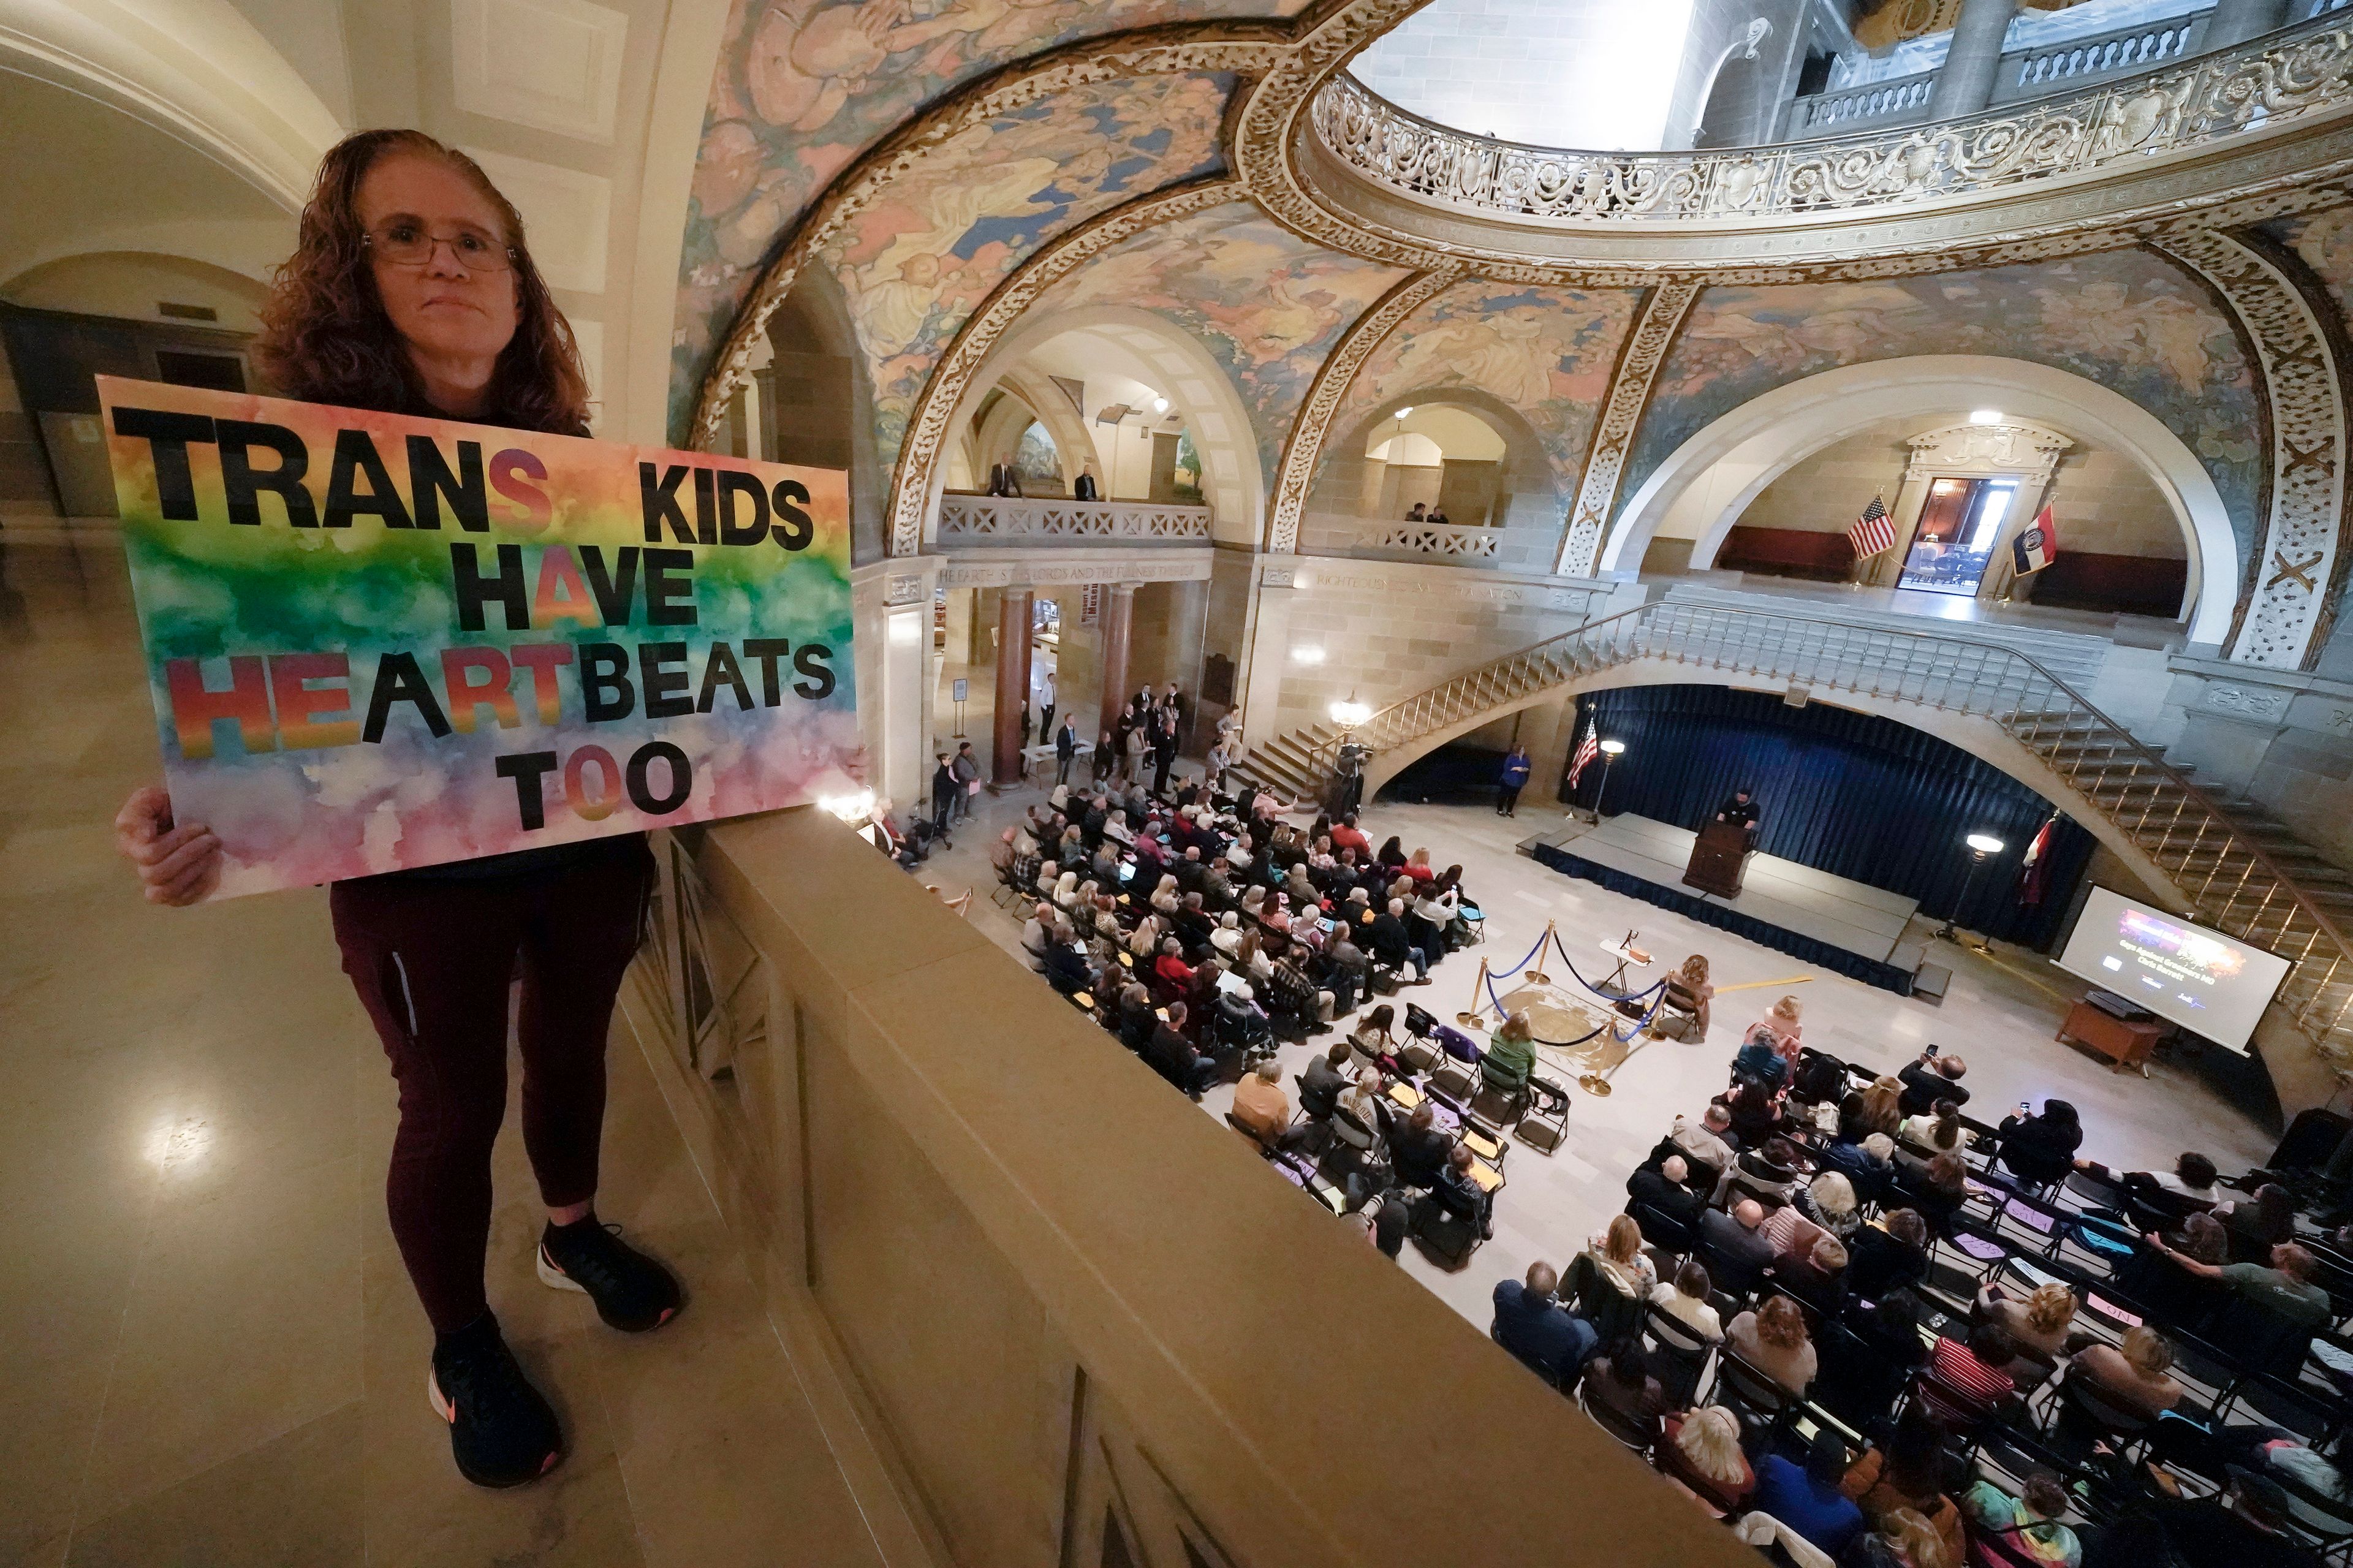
{"x":2036,"y":544}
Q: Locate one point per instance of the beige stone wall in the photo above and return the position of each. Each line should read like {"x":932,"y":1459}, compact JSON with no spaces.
{"x":2103,"y":501}
{"x":2105,"y":504}
{"x":1387,"y":631}
{"x":1830,"y":489}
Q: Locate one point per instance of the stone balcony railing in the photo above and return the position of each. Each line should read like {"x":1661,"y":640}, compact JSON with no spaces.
{"x":1015,"y":520}
{"x":2037,"y":71}
{"x":2297,"y":73}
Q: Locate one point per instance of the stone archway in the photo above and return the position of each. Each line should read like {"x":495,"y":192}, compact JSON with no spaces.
{"x":1151,"y":349}
{"x":1705,"y":484}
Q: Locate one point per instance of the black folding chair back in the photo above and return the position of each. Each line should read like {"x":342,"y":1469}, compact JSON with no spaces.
{"x":1661,"y":1229}
{"x":1750,"y":1384}
{"x":1614,"y":1421}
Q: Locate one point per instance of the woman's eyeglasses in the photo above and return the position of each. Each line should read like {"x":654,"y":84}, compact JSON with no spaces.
{"x":410,"y":244}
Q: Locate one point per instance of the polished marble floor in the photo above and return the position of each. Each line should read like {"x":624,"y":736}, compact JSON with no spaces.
{"x":208,"y":1350}
{"x":1998,"y":1015}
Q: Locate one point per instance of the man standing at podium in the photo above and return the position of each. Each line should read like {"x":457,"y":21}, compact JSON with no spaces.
{"x":1721,"y":848}
{"x":1740,"y":811}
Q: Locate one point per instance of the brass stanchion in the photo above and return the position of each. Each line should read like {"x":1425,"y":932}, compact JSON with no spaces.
{"x":1470,"y":1020}
{"x":1534,"y":976}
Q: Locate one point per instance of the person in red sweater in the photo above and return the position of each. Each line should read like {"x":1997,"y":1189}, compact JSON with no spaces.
{"x":1347,"y":834}
{"x":1171,"y":967}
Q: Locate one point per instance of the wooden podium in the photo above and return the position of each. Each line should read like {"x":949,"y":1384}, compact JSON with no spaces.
{"x":1717,"y":859}
{"x":2125,"y":1042}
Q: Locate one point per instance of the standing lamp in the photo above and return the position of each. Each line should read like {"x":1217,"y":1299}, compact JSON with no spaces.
{"x":1980,"y":846}
{"x":1610,"y":752}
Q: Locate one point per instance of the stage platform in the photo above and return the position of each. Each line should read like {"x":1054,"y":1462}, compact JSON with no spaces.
{"x":1847,"y":927}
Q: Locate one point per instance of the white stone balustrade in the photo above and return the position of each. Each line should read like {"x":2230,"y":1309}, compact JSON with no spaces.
{"x":1017,"y":520}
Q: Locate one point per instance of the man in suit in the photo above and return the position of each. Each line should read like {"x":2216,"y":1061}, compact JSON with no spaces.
{"x":1532,"y":1325}
{"x":1664,"y":1189}
{"x":1737,"y":1242}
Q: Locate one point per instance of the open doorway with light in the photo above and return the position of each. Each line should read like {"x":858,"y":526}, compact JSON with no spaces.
{"x":1953,"y":542}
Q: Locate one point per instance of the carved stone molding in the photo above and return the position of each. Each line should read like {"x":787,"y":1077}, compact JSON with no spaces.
{"x":2245,"y":701}
{"x":1002,"y":520}
{"x":2296,"y":557}
{"x":1614,"y":434}
{"x":1071,"y":568}
{"x":2261,"y":163}
{"x":1242,"y":48}
{"x":1305,"y":445}
{"x":2026,"y":450}
{"x":928,"y":427}
{"x":2260,"y":87}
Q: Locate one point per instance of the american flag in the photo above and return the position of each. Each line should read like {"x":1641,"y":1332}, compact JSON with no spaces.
{"x":1873,"y":533}
{"x":1587,"y":750}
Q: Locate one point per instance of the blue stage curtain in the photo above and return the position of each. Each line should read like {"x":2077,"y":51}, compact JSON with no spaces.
{"x":1850,"y":794}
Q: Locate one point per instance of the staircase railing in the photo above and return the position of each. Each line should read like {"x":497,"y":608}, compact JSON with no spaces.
{"x":2234,"y":883}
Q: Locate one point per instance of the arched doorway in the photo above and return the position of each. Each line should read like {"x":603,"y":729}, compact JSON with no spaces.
{"x":1705,"y":487}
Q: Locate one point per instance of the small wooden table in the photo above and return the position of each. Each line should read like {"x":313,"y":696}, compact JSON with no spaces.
{"x":1624,"y":955}
{"x":2125,"y":1042}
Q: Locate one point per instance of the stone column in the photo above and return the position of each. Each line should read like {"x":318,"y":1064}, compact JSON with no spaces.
{"x":2236,"y":21}
{"x":1118,"y":618}
{"x":1965,"y":84}
{"x":1270,"y":651}
{"x":1012,"y":683}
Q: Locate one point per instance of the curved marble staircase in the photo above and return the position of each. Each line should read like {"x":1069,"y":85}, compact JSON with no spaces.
{"x":2245,"y":873}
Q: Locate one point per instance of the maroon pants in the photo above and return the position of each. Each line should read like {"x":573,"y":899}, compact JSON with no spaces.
{"x":432,"y":960}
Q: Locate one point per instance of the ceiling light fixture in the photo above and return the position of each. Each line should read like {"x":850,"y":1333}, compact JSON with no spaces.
{"x":1985,"y":416}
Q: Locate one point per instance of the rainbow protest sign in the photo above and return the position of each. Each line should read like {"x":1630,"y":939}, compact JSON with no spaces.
{"x":376,"y":642}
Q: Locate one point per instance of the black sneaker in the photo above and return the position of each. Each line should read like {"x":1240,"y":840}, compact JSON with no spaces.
{"x":501,"y":1431}
{"x":632,"y":1292}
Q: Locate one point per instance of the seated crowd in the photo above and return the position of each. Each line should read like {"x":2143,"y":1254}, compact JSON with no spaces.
{"x":1863,"y":1331}
{"x":1200,"y":927}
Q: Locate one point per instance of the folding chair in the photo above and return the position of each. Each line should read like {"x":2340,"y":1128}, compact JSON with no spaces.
{"x":1261,"y":1144}
{"x":1616,"y":1424}
{"x":1678,"y":1352}
{"x":1749,"y":1385}
{"x":1457,"y":1076}
{"x":1450,"y":1239}
{"x":1418,"y":1052}
{"x":1545,"y":1124}
{"x":2085,"y":1411}
{"x":1661,"y":1229}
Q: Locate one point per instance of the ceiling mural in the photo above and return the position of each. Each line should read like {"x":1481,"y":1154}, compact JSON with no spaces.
{"x":1548,"y":353}
{"x":803,"y":86}
{"x":2129,"y":320}
{"x":914,"y":265}
{"x":2324,"y":241}
{"x":1268,"y":305}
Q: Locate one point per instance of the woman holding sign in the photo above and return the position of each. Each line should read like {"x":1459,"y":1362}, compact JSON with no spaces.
{"x":411,"y":291}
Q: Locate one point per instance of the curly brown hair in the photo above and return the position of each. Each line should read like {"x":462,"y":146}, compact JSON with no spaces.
{"x":324,"y":334}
